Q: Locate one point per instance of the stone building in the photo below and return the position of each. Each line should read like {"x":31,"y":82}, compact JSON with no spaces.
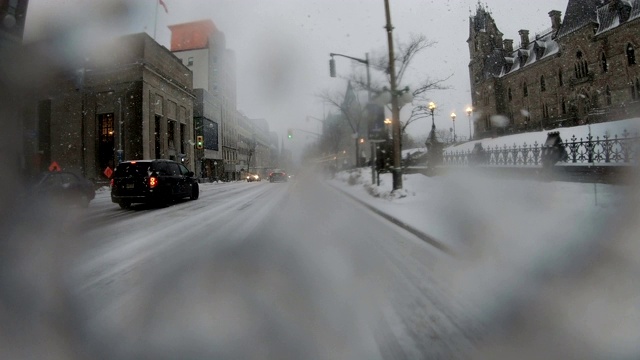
{"x":131,"y":99}
{"x":582,"y":69}
{"x":254,"y":150}
{"x":202,"y":48}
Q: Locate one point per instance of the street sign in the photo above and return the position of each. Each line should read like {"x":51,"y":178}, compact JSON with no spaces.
{"x":54,"y":167}
{"x":108,"y":172}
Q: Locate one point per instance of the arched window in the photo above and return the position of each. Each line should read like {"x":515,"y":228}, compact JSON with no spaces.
{"x":603,"y":63}
{"x":585,"y":66}
{"x":607,"y":95}
{"x":560,"y":81}
{"x":525,"y":90}
{"x":543,"y":85}
{"x":631,"y":55}
{"x":581,"y":67}
{"x":545,"y":111}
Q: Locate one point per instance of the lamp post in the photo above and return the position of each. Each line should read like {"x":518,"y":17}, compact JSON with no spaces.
{"x":469,"y":110}
{"x":453,"y":118}
{"x":387,"y":124}
{"x":432,"y":108}
{"x":434,"y":148}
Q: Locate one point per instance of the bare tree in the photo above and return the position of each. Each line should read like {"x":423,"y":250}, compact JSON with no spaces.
{"x":349,"y":107}
{"x":332,"y":137}
{"x":405,"y":53}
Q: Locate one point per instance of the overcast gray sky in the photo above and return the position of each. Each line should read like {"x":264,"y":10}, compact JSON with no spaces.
{"x":283,"y":46}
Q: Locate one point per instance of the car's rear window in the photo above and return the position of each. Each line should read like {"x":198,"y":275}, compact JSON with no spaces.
{"x":132,"y":169}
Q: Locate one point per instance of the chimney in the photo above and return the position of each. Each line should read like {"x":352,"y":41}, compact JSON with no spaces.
{"x":555,"y":16}
{"x":524,"y":38}
{"x":508,"y":45}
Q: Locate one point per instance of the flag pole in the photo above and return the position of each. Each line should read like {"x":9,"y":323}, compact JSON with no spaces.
{"x":155,"y":20}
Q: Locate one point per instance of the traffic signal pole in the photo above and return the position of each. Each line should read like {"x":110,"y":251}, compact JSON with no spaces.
{"x":332,"y":73}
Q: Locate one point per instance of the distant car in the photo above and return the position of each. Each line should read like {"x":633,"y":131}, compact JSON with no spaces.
{"x":152,"y":181}
{"x":278,"y":176}
{"x":65,"y":188}
{"x":253,"y":177}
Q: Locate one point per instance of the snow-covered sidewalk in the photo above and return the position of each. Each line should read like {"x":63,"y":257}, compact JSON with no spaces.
{"x":463,"y":209}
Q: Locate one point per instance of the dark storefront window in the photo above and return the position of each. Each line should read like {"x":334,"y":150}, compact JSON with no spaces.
{"x":210,"y":131}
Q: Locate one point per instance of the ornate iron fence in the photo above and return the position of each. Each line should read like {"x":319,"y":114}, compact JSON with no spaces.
{"x":603,"y":150}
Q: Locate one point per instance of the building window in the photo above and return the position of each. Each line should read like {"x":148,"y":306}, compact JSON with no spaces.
{"x":603,"y":63}
{"x":631,"y":56}
{"x":190,"y":61}
{"x":171,"y":134}
{"x":607,"y":95}
{"x":564,"y":107}
{"x":585,"y":68}
{"x":545,"y":111}
{"x":509,"y":94}
{"x":560,"y":81}
{"x":525,"y":90}
{"x":543,"y":85}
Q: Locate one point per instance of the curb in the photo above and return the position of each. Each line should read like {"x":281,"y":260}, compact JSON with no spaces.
{"x":424,"y":237}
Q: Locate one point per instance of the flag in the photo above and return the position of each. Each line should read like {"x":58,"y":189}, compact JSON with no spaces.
{"x":164,"y":6}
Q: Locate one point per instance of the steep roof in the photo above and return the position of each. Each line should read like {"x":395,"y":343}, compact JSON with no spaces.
{"x":616,"y":13}
{"x":579,"y":13}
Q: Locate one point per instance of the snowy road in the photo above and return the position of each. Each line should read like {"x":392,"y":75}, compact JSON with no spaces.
{"x":293,"y":270}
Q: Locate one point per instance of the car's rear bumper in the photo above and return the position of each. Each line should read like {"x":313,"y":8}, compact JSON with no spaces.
{"x":146,"y":198}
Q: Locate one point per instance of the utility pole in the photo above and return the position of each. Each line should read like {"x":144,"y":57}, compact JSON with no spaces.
{"x":395,"y":111}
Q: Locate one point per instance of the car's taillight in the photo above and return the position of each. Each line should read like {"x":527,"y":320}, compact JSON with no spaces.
{"x":153,"y":182}
{"x":111,"y":183}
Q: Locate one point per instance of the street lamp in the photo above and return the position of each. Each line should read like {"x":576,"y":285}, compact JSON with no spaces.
{"x":432,"y":108}
{"x":453,"y":118}
{"x":387,"y":123}
{"x":469,"y":110}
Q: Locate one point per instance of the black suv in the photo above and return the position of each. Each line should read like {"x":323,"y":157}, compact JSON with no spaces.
{"x":152,"y":181}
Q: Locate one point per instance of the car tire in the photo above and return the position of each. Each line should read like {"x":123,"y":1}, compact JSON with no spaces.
{"x":195,"y":192}
{"x":124,"y":204}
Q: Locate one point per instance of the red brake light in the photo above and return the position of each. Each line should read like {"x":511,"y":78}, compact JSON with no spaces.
{"x":153,"y":182}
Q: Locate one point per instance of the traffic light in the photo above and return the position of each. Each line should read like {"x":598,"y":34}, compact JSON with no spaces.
{"x":290,"y":134}
{"x":199,"y":142}
{"x":332,"y":67}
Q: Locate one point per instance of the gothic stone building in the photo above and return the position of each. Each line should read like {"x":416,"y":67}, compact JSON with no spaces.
{"x":583,"y":69}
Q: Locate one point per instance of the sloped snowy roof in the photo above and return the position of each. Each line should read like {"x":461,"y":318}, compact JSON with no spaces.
{"x":610,"y":16}
{"x":579,"y":13}
{"x":545,"y":44}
